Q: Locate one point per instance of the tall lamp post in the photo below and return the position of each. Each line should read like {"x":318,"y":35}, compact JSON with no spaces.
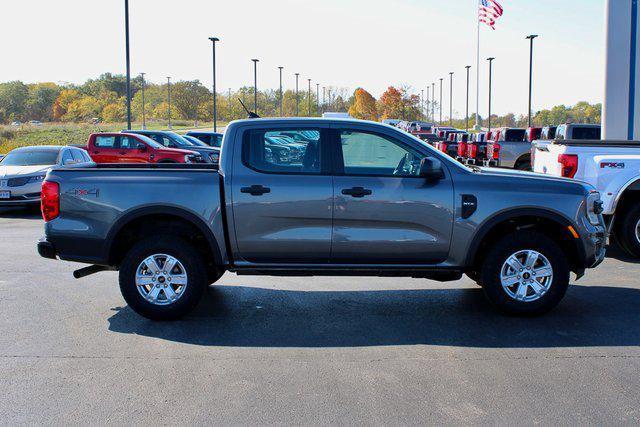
{"x":490,"y":71}
{"x":428,"y":108}
{"x":297,"y":97}
{"x":126,"y":31}
{"x":467,"y":105}
{"x":441,"y":101}
{"x":281,"y":95}
{"x":215,"y":105}
{"x":255,"y":85}
{"x":144,"y":120}
{"x":169,"y":98}
{"x":422,"y":103}
{"x":433,"y":102}
{"x":451,"y":99}
{"x":309,"y":98}
{"x":324,"y":97}
{"x":318,"y":97}
{"x":530,"y":38}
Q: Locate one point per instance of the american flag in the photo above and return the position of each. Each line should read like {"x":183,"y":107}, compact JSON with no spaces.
{"x":489,"y":12}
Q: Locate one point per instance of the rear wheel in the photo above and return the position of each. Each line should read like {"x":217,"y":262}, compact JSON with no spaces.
{"x":523,"y":165}
{"x":525,"y":273}
{"x":162,"y":278}
{"x":628,"y":234}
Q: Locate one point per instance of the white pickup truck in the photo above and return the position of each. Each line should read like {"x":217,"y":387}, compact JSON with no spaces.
{"x":613,"y":167}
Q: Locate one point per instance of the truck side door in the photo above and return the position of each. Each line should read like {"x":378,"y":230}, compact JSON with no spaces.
{"x":282,"y":196}
{"x":132,"y":150}
{"x":384,"y":212}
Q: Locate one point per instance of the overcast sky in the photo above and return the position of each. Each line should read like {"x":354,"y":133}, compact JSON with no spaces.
{"x":345,"y":43}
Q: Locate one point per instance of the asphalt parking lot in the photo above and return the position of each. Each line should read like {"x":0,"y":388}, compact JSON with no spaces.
{"x":264,"y":350}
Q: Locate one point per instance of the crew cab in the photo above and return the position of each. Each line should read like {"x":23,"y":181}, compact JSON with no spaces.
{"x":363,"y":199}
{"x":129,"y":148}
{"x":612,"y":167}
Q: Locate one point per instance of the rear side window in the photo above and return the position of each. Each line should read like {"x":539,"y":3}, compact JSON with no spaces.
{"x":561,"y":132}
{"x":77,"y":156}
{"x":586,"y":133}
{"x":104,"y":141}
{"x":204,"y":138}
{"x":291,"y":151}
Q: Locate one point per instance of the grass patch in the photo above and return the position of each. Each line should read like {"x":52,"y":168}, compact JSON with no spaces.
{"x":73,"y":133}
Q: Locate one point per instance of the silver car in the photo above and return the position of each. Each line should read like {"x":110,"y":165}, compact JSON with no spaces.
{"x":23,"y":170}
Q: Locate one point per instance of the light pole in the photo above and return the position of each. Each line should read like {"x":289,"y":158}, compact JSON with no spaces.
{"x":255,"y":85}
{"x":433,"y":102}
{"x":441,"y":101}
{"x":169,"y":98}
{"x":531,"y":38}
{"x":280,"y":69}
{"x":126,"y":31}
{"x":229,"y":111}
{"x":422,"y":103}
{"x":215,"y":105}
{"x":297,"y":97}
{"x":324,"y":97}
{"x":144,"y":121}
{"x":490,"y":71}
{"x":318,"y":97}
{"x":451,"y":99}
{"x":309,"y":98}
{"x":428,"y":100}
{"x":467,"y":108}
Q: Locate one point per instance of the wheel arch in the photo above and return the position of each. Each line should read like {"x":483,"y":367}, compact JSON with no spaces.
{"x":549,"y":222}
{"x":178,"y":214}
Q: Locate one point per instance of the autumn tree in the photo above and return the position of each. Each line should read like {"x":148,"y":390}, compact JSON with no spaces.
{"x":363,"y":106}
{"x":187,"y":97}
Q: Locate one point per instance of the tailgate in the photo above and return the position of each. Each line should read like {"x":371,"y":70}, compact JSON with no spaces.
{"x":544,"y":158}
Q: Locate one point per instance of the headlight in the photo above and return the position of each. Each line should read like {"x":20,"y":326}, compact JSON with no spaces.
{"x":37,"y":178}
{"x":188,"y":158}
{"x":594,"y":207}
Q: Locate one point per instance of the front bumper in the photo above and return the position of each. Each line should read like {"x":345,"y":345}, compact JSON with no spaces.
{"x":28,"y":194}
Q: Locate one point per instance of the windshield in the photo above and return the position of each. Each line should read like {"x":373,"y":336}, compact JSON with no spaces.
{"x":30,"y":158}
{"x":180,"y":140}
{"x":194,"y":141}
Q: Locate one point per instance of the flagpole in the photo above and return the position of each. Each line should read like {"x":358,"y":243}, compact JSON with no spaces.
{"x":478,"y":72}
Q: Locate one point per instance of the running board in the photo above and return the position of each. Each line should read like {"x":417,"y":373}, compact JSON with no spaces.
{"x":88,"y":271}
{"x":437,"y":275}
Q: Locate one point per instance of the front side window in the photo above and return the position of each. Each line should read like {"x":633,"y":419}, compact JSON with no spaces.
{"x":371,"y":154}
{"x":130,"y":143}
{"x":286,"y":151}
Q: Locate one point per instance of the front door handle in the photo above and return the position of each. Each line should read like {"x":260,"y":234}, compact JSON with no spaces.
{"x":357,"y":192}
{"x":255,"y":190}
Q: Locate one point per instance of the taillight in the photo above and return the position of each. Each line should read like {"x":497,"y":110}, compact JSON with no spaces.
{"x":50,"y":200}
{"x":569,"y":164}
{"x":472,"y":150}
{"x":462,"y":149}
{"x":496,"y":151}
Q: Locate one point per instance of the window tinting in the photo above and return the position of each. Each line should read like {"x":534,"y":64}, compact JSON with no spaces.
{"x":286,"y":151}
{"x":586,"y":133}
{"x":105,"y":141}
{"x":67,"y":157}
{"x":371,"y":154}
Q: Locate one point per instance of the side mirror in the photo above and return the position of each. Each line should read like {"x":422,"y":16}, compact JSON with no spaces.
{"x":69,"y":162}
{"x":431,"y":169}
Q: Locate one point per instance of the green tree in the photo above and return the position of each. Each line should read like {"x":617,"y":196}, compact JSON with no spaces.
{"x":13,"y":101}
{"x":41,"y":99}
{"x":187,"y":96}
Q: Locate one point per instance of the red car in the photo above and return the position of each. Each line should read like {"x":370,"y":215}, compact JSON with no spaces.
{"x":130,"y":148}
{"x":532,"y":134}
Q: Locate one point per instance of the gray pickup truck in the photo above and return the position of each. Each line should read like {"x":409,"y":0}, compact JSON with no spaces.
{"x":349,"y":198}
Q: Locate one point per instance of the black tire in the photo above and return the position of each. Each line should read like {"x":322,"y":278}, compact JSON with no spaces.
{"x":187,"y":255}
{"x":523,"y":165}
{"x":626,"y":234}
{"x":511,"y":244}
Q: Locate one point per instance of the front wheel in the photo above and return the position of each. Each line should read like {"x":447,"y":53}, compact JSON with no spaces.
{"x":162,"y":278}
{"x":525,"y":273}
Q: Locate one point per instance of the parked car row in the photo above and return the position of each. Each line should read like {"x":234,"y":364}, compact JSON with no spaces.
{"x":23,"y":169}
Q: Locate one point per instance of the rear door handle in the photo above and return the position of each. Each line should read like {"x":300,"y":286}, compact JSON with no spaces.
{"x":255,"y":190}
{"x":357,"y":192}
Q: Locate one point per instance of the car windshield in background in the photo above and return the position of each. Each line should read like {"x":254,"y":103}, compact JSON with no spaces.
{"x":150,"y":142}
{"x":194,"y":141}
{"x":180,"y":140}
{"x":30,"y":158}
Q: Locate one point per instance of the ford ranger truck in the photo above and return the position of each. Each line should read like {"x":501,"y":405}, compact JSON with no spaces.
{"x":613,"y":168}
{"x":364,"y":199}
